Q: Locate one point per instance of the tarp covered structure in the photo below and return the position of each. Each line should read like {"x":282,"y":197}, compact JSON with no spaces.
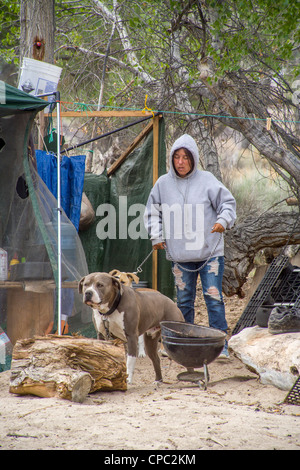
{"x":28,"y":225}
{"x":28,"y":231}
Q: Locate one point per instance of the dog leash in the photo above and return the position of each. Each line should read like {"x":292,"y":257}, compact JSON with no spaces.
{"x":139,"y":268}
{"x":110,"y":311}
{"x":183,"y":268}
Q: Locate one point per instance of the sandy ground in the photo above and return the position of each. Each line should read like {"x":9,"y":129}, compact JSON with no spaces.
{"x":235,"y":412}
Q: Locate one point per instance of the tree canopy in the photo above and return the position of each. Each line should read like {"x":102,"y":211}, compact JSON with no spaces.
{"x":217,"y":69}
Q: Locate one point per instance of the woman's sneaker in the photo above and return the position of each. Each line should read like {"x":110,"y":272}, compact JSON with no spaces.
{"x":224,"y":353}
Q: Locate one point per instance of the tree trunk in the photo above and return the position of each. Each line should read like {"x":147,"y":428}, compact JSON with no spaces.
{"x":67,"y":367}
{"x":37,"y":21}
{"x":37,"y":30}
{"x":272,"y":230}
{"x":245,"y":240}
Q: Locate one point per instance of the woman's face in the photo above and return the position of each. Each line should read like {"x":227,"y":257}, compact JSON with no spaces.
{"x":182,"y":162}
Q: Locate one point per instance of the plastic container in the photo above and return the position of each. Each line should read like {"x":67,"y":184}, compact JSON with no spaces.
{"x":3,"y":265}
{"x":5,"y":347}
{"x":68,"y":240}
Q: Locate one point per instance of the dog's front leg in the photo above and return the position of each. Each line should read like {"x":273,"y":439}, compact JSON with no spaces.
{"x":132,"y":348}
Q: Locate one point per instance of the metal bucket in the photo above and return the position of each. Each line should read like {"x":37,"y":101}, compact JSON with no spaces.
{"x":192,"y":346}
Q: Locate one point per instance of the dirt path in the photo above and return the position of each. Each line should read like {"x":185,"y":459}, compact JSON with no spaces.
{"x":235,"y":412}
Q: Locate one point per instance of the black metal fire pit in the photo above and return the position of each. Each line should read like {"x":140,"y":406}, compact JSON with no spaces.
{"x":192,"y":346}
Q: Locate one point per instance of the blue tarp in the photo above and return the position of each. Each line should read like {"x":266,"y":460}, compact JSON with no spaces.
{"x":72,"y":179}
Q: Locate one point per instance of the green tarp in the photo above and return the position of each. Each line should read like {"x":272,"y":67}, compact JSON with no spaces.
{"x":17,"y":111}
{"x":13,"y":101}
{"x":28,"y":231}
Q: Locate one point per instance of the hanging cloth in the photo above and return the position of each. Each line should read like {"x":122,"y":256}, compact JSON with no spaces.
{"x":72,"y":179}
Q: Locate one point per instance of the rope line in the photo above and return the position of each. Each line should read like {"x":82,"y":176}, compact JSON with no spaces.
{"x":84,"y":107}
{"x":146,"y":107}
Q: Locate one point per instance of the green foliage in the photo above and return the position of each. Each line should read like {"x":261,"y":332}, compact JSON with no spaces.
{"x":253,"y":33}
{"x":9,"y":30}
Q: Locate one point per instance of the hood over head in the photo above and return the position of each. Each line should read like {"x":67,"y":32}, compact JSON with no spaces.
{"x":185,"y":141}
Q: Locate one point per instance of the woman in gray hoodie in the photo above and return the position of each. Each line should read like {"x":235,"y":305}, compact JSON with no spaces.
{"x":186,"y":214}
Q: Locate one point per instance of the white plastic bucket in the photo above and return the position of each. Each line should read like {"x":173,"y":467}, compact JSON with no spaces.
{"x":38,"y":78}
{"x":3,"y":265}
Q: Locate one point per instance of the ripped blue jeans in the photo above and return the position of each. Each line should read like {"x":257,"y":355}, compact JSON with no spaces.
{"x":211,"y":279}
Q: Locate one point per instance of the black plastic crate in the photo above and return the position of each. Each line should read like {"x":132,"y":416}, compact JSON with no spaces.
{"x":279,"y":286}
{"x":293,"y":397}
{"x":262,"y":294}
{"x":287,"y":288}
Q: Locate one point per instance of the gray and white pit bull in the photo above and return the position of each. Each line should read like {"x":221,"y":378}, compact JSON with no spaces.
{"x":126,"y":314}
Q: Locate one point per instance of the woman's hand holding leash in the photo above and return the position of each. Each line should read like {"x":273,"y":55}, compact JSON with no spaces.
{"x":218,"y":228}
{"x":159,"y":246}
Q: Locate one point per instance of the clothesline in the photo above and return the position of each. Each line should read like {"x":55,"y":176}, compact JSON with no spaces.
{"x":84,"y":107}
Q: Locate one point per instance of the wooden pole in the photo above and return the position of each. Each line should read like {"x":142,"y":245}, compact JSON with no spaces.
{"x":41,"y":130}
{"x":86,"y":114}
{"x":155,"y":148}
{"x":155,"y":177}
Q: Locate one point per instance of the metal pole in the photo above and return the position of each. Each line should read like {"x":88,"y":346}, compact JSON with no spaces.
{"x":107,"y":134}
{"x":58,"y":215}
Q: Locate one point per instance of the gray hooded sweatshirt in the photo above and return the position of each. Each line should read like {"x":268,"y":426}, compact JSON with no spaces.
{"x":182,"y":211}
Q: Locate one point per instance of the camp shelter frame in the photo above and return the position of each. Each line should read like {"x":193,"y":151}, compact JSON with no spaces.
{"x":153,"y":125}
{"x":18,"y":206}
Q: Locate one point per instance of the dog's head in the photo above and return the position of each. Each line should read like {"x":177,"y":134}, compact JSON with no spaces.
{"x":125,"y":278}
{"x":99,"y":290}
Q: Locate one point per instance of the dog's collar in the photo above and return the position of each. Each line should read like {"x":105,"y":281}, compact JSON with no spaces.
{"x":114,"y":305}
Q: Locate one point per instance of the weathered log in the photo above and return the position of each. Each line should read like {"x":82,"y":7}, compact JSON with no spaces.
{"x":67,"y":367}
{"x":246,"y":239}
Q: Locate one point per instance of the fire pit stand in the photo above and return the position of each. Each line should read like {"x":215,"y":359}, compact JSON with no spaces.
{"x":200,"y":378}
{"x":192,"y":346}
